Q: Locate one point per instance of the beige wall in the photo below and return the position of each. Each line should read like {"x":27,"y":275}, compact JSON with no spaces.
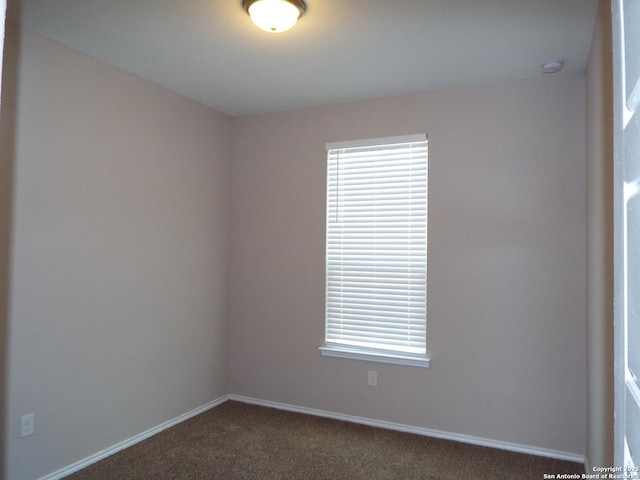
{"x":118,"y":317}
{"x":506,"y":293}
{"x":6,"y":185}
{"x":600,"y":242}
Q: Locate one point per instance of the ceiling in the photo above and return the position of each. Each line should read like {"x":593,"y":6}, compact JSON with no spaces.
{"x":340,"y":50}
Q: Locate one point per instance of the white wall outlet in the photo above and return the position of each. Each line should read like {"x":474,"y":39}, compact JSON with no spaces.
{"x":372,"y":378}
{"x":27,"y":425}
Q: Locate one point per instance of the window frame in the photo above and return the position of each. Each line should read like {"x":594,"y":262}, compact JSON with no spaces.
{"x":380,"y":355}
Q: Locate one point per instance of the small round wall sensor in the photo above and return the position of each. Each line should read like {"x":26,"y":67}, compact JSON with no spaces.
{"x":552,"y":67}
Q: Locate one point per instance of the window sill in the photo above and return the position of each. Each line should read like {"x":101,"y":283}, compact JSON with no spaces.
{"x":379,"y":357}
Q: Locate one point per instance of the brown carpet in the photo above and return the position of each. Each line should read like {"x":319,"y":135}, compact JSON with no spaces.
{"x":240,"y":441}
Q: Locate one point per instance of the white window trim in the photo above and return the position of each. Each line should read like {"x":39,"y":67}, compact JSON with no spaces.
{"x":370,"y":354}
{"x":379,"y":356}
{"x":369,"y":142}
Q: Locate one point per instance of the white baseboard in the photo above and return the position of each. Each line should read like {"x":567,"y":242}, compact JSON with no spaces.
{"x":85,"y":462}
{"x":587,"y":464}
{"x":484,"y":442}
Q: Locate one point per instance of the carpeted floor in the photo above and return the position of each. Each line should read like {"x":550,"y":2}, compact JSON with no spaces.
{"x":241,"y":441}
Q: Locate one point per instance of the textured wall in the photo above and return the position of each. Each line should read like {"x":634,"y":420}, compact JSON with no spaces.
{"x":600,"y":242}
{"x":118,"y":316}
{"x":506,"y":289}
{"x":6,"y":193}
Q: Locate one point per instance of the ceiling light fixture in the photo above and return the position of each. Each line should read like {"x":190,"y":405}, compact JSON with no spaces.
{"x":274,"y":16}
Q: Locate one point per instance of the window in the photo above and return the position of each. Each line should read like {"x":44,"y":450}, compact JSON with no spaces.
{"x":626,"y":29}
{"x":376,"y":250}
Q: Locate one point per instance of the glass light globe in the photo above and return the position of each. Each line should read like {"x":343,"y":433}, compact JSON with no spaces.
{"x":274,"y":16}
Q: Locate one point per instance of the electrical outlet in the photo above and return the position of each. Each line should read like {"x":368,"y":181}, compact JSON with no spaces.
{"x":372,"y":378}
{"x":27,"y":425}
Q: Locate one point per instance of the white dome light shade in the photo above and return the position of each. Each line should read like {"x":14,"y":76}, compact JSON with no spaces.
{"x":274,"y":16}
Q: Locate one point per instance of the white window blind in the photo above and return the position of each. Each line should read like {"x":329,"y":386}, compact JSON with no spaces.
{"x":376,"y":252}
